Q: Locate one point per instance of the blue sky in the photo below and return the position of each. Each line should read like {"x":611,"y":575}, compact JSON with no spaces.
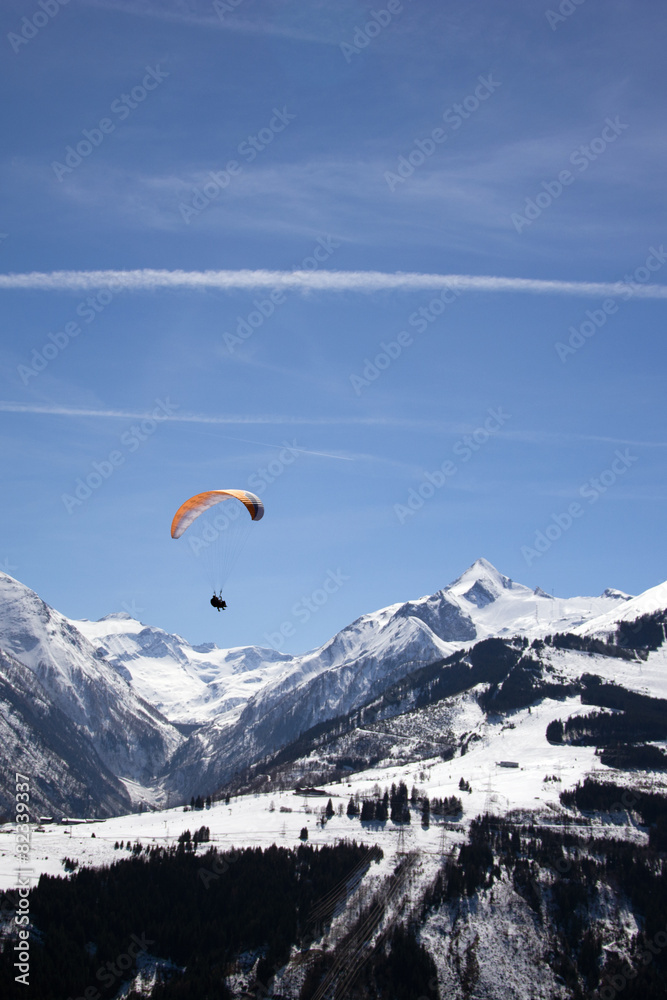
{"x":522,"y":421}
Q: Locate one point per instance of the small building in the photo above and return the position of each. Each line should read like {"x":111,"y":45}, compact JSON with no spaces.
{"x":508,"y":763}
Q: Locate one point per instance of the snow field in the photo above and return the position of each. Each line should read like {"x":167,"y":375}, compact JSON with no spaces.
{"x":249,"y":821}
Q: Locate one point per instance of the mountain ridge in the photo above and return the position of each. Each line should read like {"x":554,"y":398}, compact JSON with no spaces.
{"x":481,"y":602}
{"x":166,"y":717}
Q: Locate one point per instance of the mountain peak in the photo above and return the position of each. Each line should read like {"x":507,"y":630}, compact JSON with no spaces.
{"x":481,"y":583}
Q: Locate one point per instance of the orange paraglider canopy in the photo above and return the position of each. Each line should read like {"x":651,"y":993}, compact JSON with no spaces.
{"x":192,"y":508}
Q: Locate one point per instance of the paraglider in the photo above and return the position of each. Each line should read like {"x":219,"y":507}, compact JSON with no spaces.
{"x":222,"y":534}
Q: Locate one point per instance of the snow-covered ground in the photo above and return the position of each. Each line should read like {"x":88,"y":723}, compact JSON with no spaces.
{"x":257,"y":820}
{"x":499,"y":931}
{"x":519,"y":739}
{"x":643,"y":676}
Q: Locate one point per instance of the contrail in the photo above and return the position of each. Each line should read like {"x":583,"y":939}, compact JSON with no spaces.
{"x":9,"y":406}
{"x":12,"y":406}
{"x":277,"y":420}
{"x":148,"y":279}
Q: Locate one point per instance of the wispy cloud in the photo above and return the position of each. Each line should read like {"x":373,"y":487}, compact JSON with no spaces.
{"x":232,"y":419}
{"x":148,"y":279}
{"x":50,"y":409}
{"x":205,"y":17}
{"x":536,"y":437}
{"x":472,"y":191}
{"x":563,"y":437}
{"x":53,"y":409}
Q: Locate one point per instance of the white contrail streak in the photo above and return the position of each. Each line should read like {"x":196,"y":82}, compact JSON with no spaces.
{"x":147,"y":279}
{"x":11,"y":406}
{"x":277,"y":420}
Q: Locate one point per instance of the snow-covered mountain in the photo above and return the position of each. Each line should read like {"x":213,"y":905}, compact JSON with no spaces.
{"x":368,"y":656}
{"x":188,"y":684}
{"x":130,"y":737}
{"x":468,"y":696}
{"x":133,"y":691}
{"x":198,"y":684}
{"x":500,"y":606}
{"x":37,"y":739}
{"x":652,"y":600}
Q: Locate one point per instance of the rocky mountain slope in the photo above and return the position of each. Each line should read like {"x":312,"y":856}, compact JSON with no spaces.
{"x":48,"y":663}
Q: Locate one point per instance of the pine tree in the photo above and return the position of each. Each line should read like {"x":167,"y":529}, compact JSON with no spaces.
{"x":367,"y":810}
